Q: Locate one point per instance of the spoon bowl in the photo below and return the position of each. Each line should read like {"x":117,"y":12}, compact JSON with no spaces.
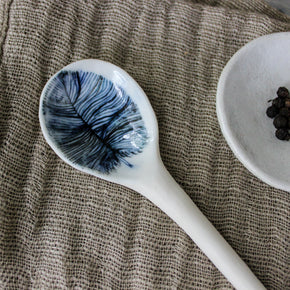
{"x":120,"y":80}
{"x":97,"y":119}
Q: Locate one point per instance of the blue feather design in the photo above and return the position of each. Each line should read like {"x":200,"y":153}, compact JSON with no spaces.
{"x":93,"y":121}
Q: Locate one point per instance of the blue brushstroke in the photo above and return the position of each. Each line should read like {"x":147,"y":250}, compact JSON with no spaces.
{"x":93,"y":121}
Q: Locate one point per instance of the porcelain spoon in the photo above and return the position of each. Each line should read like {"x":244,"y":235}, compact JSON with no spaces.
{"x":98,"y":119}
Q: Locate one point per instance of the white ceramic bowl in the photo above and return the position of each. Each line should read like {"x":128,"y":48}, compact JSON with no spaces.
{"x":248,"y":81}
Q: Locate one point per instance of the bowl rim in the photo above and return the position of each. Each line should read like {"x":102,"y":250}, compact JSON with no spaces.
{"x":224,"y":124}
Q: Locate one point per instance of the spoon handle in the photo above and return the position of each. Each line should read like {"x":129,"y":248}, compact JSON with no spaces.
{"x":164,"y":192}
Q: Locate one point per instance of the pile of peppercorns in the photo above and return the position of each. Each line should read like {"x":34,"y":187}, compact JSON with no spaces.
{"x":280,"y":111}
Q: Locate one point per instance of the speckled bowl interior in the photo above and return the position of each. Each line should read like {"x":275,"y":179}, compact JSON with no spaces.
{"x":249,"y":80}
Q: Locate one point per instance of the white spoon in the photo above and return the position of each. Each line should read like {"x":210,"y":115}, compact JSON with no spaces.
{"x":120,"y":145}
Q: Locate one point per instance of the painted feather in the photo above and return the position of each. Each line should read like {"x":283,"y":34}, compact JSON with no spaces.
{"x":93,"y":121}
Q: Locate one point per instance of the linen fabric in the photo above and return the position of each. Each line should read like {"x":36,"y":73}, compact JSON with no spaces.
{"x":64,"y":229}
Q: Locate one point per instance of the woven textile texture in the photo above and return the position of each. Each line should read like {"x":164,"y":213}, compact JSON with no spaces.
{"x":60,"y":228}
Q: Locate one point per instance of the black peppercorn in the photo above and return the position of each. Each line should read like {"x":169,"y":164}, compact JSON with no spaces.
{"x":284,"y":112}
{"x":282,"y":134}
{"x":287,"y":102}
{"x":280,"y":122}
{"x":272,"y":111}
{"x":278,"y":102}
{"x":280,"y":111}
{"x":283,"y":92}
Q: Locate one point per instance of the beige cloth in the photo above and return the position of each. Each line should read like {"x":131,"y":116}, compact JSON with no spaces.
{"x":60,"y":228}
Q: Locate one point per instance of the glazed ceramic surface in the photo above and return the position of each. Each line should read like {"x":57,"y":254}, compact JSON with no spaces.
{"x":97,"y":119}
{"x":249,"y":80}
